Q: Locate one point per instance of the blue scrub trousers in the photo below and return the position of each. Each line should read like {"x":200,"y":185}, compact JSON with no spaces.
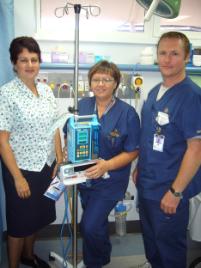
{"x":94,"y":229}
{"x":164,"y":235}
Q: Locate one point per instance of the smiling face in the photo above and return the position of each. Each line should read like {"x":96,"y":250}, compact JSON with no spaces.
{"x":104,"y":78}
{"x":103,"y":85}
{"x":27,"y":65}
{"x":172,"y":59}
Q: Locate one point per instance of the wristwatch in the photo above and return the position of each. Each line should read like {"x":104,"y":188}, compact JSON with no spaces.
{"x":176,"y":194}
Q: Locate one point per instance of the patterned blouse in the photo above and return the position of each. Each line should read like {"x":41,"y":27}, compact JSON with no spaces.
{"x":29,"y":118}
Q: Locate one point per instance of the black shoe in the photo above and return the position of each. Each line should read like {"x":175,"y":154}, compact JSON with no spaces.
{"x":36,"y":262}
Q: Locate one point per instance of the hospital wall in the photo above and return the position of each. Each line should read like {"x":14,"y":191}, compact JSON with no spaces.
{"x":120,"y":53}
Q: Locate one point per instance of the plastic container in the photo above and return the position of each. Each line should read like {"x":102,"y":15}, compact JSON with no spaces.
{"x":147,"y":56}
{"x":197,"y":57}
{"x":120,"y":219}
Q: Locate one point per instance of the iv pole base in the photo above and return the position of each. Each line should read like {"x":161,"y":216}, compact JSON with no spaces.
{"x":64,"y":263}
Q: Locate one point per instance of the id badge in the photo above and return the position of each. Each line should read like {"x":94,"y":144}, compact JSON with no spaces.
{"x":158,"y":142}
{"x":162,"y":118}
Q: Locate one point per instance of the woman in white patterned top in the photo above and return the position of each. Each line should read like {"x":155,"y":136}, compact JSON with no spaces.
{"x":28,"y":151}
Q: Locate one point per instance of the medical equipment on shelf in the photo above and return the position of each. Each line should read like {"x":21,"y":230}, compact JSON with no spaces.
{"x":137,"y":82}
{"x":147,"y":56}
{"x":197,"y":56}
{"x":136,"y":85}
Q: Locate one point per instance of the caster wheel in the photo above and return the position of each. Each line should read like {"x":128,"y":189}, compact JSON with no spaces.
{"x":51,"y":258}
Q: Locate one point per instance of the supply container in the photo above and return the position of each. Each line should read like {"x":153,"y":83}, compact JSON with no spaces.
{"x":120,"y":218}
{"x":147,"y":56}
{"x":197,"y":56}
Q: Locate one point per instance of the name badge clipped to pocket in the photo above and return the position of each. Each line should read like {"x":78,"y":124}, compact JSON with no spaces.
{"x":162,"y":118}
{"x":158,"y":142}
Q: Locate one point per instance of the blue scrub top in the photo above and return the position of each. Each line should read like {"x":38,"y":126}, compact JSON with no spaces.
{"x":158,"y":170}
{"x":123,"y":119}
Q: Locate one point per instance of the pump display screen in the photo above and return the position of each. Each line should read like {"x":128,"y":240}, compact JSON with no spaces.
{"x":82,"y":143}
{"x":82,"y":137}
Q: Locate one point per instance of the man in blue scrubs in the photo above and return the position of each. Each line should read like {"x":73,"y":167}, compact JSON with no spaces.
{"x":170,"y":156}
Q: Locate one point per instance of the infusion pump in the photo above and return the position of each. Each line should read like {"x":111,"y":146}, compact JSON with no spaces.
{"x":82,"y":148}
{"x":83,"y":138}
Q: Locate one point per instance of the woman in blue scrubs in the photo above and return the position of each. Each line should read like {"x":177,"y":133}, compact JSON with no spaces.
{"x":119,"y":143}
{"x":170,"y":156}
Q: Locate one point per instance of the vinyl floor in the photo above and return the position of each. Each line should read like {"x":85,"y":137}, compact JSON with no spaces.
{"x":127,"y":252}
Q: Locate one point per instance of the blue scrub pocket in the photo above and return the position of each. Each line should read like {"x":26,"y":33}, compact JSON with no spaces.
{"x":116,"y":144}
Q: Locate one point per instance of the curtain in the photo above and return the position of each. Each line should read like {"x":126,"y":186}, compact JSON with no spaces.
{"x":2,"y":214}
{"x":6,"y":74}
{"x":6,"y":35}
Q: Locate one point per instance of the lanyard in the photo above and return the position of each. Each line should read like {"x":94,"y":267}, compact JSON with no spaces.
{"x":108,"y":107}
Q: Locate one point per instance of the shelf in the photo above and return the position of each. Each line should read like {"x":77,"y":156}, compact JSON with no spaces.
{"x":122,"y":67}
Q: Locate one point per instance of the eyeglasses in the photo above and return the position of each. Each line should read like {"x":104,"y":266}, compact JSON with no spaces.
{"x":26,"y":60}
{"x":104,"y":81}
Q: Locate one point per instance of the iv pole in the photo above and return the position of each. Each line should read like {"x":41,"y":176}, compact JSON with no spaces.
{"x":77,"y":10}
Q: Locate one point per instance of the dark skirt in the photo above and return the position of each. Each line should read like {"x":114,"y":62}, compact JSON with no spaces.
{"x":27,"y":216}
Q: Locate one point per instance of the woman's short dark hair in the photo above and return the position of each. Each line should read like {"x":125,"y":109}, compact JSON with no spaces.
{"x":105,"y":67}
{"x":19,"y":43}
